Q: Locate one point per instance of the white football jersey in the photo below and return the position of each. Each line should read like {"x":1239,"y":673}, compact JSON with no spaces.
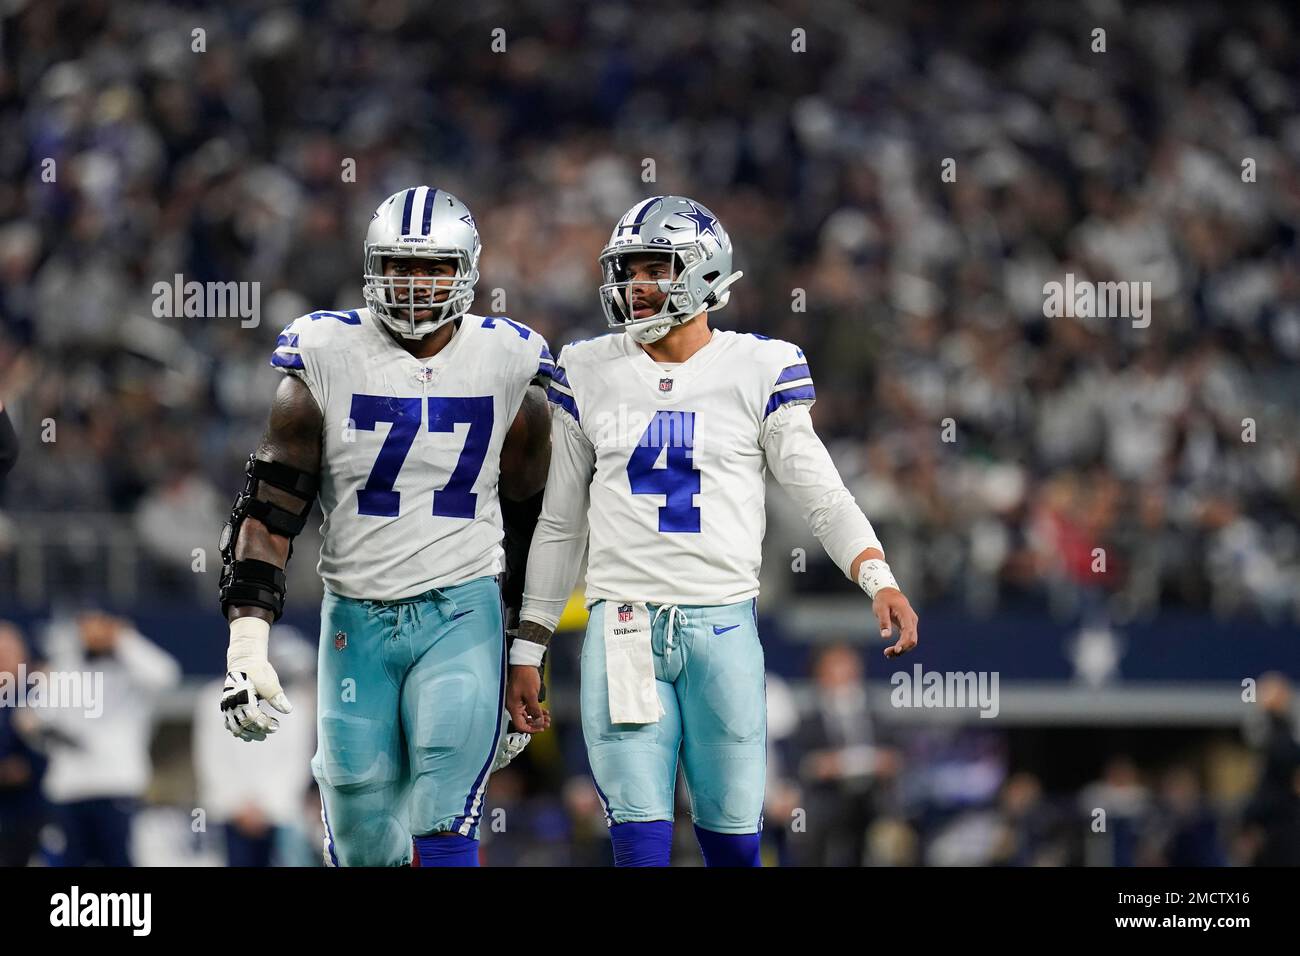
{"x":412,"y":447}
{"x":676,"y":511}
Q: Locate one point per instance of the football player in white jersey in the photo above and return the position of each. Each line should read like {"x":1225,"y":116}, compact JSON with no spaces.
{"x":422,"y":430}
{"x":661,"y":436}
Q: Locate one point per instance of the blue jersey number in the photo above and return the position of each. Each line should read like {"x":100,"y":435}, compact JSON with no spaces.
{"x":378,"y":496}
{"x":679,"y":480}
{"x":490,"y":322}
{"x":454,"y":500}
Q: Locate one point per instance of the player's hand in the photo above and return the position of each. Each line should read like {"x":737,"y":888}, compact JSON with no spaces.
{"x":239,"y":703}
{"x":891,"y":605}
{"x":250,"y":678}
{"x":522,"y":691}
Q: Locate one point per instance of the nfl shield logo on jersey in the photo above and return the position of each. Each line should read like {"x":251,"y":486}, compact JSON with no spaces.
{"x":665,"y":385}
{"x":624,"y":613}
{"x":340,"y":641}
{"x":424,"y":374}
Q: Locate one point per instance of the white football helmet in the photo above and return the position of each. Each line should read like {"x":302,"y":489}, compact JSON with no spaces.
{"x":420,"y":223}
{"x":692,"y":239}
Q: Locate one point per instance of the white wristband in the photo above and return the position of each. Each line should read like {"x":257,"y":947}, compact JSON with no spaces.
{"x":249,"y":639}
{"x":526,"y":652}
{"x":874,"y":575}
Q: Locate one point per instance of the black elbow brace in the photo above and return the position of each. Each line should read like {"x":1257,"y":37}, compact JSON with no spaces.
{"x":519,"y":518}
{"x":248,"y":582}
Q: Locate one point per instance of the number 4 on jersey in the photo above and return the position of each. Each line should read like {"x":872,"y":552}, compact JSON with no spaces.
{"x":678,"y":480}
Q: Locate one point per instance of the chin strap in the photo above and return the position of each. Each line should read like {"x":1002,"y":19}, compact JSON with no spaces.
{"x":651,"y":332}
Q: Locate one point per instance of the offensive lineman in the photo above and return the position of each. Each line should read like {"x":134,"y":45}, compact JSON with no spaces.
{"x":405,"y":417}
{"x":660,"y":440}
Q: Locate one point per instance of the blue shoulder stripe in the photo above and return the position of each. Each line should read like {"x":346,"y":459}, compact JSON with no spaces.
{"x":800,"y":393}
{"x":792,"y":372}
{"x":566,"y":402}
{"x":559,"y":375}
{"x":286,"y":360}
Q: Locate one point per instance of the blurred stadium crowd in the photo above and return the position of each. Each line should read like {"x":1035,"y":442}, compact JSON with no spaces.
{"x":923,"y":299}
{"x":916,"y":300}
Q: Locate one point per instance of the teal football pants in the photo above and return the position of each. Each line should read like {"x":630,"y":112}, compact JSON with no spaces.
{"x":709,"y":674}
{"x":410,"y":701}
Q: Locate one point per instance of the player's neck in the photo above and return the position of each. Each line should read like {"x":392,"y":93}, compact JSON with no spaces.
{"x":682,"y":341}
{"x":431,"y":344}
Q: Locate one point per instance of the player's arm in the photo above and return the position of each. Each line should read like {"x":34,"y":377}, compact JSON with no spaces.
{"x":553,"y":561}
{"x":525,"y":459}
{"x":8,"y":442}
{"x":271,"y":510}
{"x":800,"y":462}
{"x":526,"y":453}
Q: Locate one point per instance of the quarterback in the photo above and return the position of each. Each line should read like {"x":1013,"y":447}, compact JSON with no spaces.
{"x":662,"y":433}
{"x":423,"y":433}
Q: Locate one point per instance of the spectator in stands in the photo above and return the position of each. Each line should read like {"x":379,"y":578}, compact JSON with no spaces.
{"x":1183,"y":830}
{"x":1112,"y":811}
{"x":99,"y":752}
{"x":1271,"y":818}
{"x":841,"y":764}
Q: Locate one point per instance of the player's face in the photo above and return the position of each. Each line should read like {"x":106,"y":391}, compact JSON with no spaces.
{"x":423,"y":286}
{"x":645,"y":270}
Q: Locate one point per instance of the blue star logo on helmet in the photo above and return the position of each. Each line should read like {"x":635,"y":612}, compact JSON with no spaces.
{"x":704,"y":223}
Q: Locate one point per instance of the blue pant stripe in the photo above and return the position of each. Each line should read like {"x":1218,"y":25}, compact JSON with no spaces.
{"x":474,"y":802}
{"x":329,"y":834}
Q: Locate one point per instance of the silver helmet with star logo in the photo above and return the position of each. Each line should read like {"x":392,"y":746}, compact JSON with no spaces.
{"x":696,"y":250}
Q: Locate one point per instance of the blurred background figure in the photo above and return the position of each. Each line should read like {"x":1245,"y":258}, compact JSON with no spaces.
{"x":783,"y":798}
{"x":22,"y":805}
{"x":1112,"y":839}
{"x":1033,"y":831}
{"x":254,"y":793}
{"x":99,"y":764}
{"x":1183,"y":831}
{"x":588,"y":841}
{"x":1271,"y":818}
{"x":841,"y":766}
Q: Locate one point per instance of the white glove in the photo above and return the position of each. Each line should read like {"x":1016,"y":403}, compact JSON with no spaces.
{"x":250,"y":678}
{"x":511,"y":746}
